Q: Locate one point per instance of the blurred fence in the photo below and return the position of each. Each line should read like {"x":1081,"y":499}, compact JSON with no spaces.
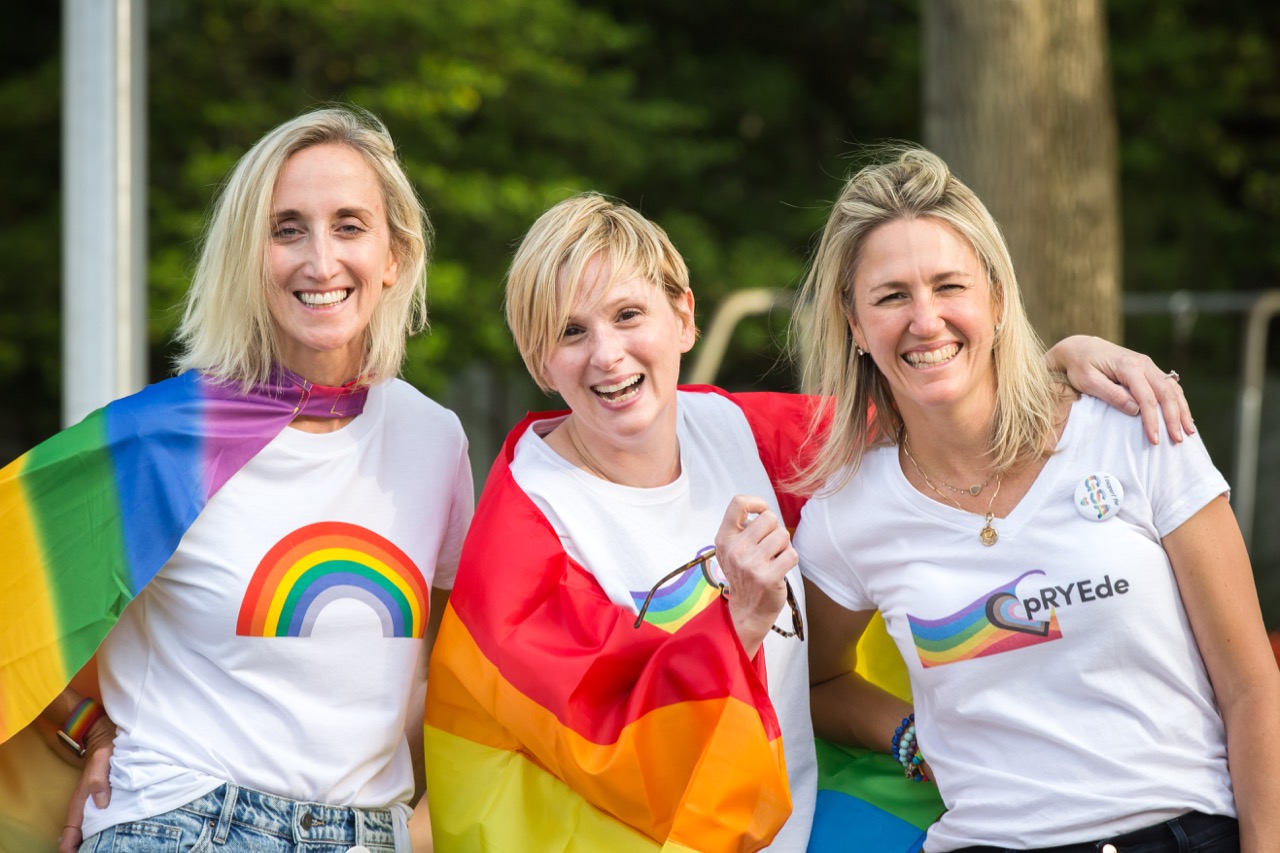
{"x":1257,"y":311}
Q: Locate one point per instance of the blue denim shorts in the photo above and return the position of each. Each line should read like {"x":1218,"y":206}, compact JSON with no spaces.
{"x":238,"y":819}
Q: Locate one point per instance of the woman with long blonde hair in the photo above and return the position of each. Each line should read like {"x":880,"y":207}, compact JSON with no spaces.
{"x":1075,"y":606}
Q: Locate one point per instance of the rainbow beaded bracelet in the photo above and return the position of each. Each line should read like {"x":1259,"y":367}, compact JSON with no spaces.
{"x":906,"y":749}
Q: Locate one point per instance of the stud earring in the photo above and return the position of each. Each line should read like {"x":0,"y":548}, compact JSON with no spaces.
{"x":859,"y":350}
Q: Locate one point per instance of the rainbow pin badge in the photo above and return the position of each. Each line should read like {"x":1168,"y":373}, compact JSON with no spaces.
{"x":1098,"y":497}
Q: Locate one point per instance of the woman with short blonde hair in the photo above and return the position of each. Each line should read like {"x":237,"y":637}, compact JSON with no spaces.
{"x":547,"y":270}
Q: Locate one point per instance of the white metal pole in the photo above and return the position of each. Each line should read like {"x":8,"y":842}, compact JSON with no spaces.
{"x":1244,"y":489}
{"x":104,"y":203}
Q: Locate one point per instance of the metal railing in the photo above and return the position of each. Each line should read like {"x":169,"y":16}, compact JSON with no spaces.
{"x":1184,"y":307}
{"x":1258,"y":309}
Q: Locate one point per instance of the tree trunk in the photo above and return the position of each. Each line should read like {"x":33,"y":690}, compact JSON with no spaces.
{"x":1017,"y":100}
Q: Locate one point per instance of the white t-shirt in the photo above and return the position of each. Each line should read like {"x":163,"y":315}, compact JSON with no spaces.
{"x":1064,"y":698}
{"x":628,"y":538}
{"x":279,"y":646}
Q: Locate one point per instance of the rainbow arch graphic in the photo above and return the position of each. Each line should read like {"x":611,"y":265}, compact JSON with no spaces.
{"x":992,"y":624}
{"x":324,"y":562}
{"x":679,"y":600}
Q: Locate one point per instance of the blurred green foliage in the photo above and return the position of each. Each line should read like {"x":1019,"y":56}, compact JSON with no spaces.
{"x":496,"y":106}
{"x":1198,"y":98}
{"x":730,"y":122}
{"x":30,"y":242}
{"x":726,"y":122}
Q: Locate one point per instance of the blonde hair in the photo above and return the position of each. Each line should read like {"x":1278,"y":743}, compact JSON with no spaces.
{"x":226,"y":328}
{"x":909,"y":183}
{"x":546,"y":272}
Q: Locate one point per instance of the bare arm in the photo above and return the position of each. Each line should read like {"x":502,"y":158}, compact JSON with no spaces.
{"x":1216,"y":583}
{"x":420,"y":838}
{"x":1127,"y":380}
{"x":846,"y":708}
{"x":96,"y":765}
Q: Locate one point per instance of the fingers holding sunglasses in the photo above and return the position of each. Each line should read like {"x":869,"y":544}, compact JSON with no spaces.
{"x":752,"y":536}
{"x":754,"y":551}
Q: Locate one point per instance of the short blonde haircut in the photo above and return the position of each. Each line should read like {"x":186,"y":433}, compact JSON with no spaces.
{"x":226,"y":329}
{"x":546,"y":272}
{"x":910,"y":183}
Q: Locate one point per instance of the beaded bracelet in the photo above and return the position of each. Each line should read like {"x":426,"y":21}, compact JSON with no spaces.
{"x":906,"y":749}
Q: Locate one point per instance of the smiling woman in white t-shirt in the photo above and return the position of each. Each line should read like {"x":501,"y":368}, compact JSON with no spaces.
{"x":1075,"y":605}
{"x":263,"y":689}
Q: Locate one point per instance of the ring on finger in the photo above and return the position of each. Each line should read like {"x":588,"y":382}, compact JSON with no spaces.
{"x":1173,"y":374}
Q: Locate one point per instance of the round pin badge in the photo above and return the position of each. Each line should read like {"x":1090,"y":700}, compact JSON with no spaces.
{"x":1098,"y":496}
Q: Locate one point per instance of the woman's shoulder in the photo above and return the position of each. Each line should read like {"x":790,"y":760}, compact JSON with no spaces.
{"x":770,"y":418}
{"x":1095,"y":419}
{"x":849,"y":486}
{"x":706,"y":407}
{"x":403,"y":397}
{"x":409,"y":415}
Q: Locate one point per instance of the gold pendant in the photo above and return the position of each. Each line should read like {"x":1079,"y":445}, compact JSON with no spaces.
{"x":987,"y":535}
{"x":975,"y":490}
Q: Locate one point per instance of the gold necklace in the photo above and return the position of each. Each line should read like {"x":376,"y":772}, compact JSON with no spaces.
{"x":588,"y":460}
{"x":987,"y":535}
{"x":974,"y":490}
{"x":591,"y":466}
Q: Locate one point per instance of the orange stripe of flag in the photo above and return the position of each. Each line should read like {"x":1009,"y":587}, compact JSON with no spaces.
{"x":737,"y":788}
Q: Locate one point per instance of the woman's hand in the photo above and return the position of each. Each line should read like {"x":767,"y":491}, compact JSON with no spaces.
{"x":420,"y":838}
{"x":1128,"y":380}
{"x":754,"y":551}
{"x":99,"y":743}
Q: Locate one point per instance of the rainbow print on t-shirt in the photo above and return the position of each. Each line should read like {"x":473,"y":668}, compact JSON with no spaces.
{"x":990,"y":625}
{"x":329,"y":561}
{"x":680,"y":599}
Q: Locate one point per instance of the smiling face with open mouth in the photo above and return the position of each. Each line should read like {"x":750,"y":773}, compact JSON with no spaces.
{"x":923,"y":310}
{"x":617,"y":363}
{"x":330,"y":258}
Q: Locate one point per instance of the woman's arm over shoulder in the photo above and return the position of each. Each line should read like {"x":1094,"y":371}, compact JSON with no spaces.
{"x":1126,"y":380}
{"x":1218,"y":592}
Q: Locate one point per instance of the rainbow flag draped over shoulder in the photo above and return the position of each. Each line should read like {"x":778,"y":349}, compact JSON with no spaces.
{"x":553,"y":724}
{"x":536,"y":740}
{"x":89,"y":516}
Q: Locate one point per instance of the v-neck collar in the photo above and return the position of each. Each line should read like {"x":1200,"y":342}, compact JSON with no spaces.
{"x":1008,"y":527}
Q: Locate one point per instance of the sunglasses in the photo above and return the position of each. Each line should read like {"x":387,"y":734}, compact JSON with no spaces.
{"x":703,"y":561}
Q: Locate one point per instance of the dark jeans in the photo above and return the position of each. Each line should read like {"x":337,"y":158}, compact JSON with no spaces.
{"x":1192,"y":832}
